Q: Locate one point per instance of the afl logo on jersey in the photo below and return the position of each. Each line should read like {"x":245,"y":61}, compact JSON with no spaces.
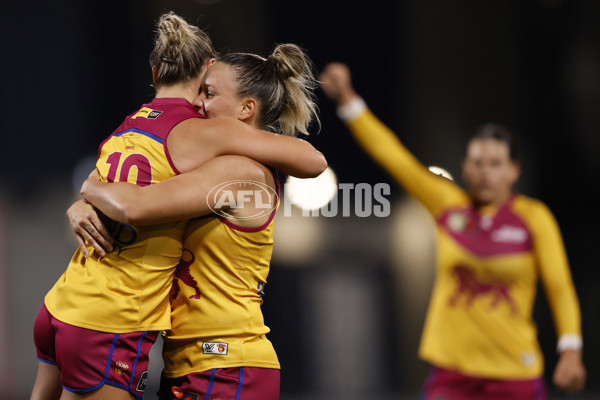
{"x":147,"y":113}
{"x":230,"y":195}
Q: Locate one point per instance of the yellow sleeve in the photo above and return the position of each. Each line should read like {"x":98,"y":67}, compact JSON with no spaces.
{"x":434,"y":192}
{"x":555,"y":272}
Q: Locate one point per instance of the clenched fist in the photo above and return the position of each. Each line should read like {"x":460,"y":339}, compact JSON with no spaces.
{"x":337,"y":84}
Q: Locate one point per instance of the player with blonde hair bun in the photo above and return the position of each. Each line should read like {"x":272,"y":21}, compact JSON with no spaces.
{"x":99,"y":321}
{"x":217,"y":345}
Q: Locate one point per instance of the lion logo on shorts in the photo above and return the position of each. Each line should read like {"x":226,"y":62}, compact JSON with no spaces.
{"x":121,"y":367}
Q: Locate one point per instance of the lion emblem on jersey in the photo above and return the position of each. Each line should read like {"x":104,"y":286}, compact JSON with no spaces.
{"x":183,"y":274}
{"x":470,"y":287}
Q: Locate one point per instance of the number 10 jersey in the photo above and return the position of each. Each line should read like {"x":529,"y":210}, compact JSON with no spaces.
{"x":128,"y":289}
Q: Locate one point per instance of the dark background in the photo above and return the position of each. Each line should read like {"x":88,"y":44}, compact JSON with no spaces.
{"x":432,"y":70}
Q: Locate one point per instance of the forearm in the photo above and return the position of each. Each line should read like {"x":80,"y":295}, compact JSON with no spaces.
{"x":561,"y":296}
{"x":297,"y":158}
{"x":565,"y":310}
{"x":289,"y":155}
{"x":555,"y":273}
{"x":178,"y":198}
{"x":182,"y":197}
{"x":384,"y":147}
{"x":113,"y":199}
{"x":380,"y":142}
{"x":292,"y":156}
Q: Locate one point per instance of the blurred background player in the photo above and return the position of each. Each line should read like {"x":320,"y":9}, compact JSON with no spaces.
{"x":217,"y":345}
{"x":115,"y":305}
{"x":493,"y":245}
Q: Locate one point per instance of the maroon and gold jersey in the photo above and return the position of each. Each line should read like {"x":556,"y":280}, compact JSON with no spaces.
{"x":128,"y":289}
{"x":488,"y":264}
{"x":217,"y":320}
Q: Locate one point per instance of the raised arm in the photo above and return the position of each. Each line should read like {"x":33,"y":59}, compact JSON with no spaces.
{"x":558,"y":285}
{"x":184,"y":196}
{"x":197,"y":140}
{"x":383,"y":145}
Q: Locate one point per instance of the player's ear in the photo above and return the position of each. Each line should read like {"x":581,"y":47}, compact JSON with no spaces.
{"x":154,"y":72}
{"x":463,"y":170}
{"x":248,"y":109}
{"x":515,"y":171}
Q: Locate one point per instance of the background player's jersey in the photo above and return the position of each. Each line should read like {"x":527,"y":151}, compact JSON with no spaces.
{"x":480,"y":315}
{"x":128,"y":289}
{"x":216,"y":298}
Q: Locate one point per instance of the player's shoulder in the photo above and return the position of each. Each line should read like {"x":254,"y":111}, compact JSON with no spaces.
{"x":530,"y":208}
{"x":244,"y":167}
{"x":205,"y":130}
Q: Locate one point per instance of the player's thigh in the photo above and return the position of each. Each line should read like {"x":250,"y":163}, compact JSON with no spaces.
{"x":106,"y":392}
{"x":47,"y":383}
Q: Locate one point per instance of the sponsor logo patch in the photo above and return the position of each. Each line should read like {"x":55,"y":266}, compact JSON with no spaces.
{"x":215,"y":348}
{"x":510,"y":234}
{"x":141,"y":386}
{"x":147,"y":113}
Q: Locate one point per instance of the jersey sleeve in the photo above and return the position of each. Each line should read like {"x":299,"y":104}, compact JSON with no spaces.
{"x":434,"y":192}
{"x":555,"y":273}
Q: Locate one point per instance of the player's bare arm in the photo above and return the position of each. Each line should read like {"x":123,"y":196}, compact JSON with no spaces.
{"x":222,"y":136}
{"x":178,"y":198}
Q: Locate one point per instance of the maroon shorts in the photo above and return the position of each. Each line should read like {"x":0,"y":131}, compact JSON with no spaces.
{"x":243,"y":383}
{"x":88,"y":359}
{"x":443,"y":384}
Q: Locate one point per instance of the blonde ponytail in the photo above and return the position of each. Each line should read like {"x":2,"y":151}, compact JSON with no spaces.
{"x":283,"y":85}
{"x":295,"y":70}
{"x":180,"y":50}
